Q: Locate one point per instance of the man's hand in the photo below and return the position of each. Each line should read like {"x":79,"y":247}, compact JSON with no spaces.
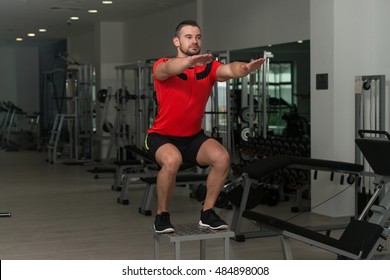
{"x":238,"y":69}
{"x":253,"y":65}
{"x":200,"y":59}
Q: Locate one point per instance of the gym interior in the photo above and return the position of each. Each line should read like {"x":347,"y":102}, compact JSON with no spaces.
{"x":308,"y":136}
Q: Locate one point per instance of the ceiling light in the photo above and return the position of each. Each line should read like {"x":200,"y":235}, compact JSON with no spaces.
{"x":92,"y":11}
{"x":42,"y":30}
{"x":299,"y":41}
{"x":74,"y":18}
{"x":31,"y":34}
{"x":107,"y":2}
{"x":19,"y":39}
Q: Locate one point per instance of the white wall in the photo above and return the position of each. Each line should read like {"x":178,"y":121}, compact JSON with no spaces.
{"x":82,"y":48}
{"x":112,"y":51}
{"x":232,"y":24}
{"x":7,"y":75}
{"x":19,"y":77}
{"x":226,"y":25}
{"x":27,"y":79}
{"x":151,"y":36}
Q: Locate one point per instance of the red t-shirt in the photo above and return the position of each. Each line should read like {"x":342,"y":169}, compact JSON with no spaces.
{"x":181,"y":100}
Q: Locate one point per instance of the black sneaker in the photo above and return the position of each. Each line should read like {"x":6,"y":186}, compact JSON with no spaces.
{"x":210,"y":219}
{"x":162,"y":223}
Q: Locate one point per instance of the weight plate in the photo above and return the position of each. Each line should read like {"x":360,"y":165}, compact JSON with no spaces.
{"x":245,"y":133}
{"x":102,"y":95}
{"x":245,"y":114}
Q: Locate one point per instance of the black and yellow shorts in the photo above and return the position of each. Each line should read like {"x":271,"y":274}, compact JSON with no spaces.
{"x":188,"y":146}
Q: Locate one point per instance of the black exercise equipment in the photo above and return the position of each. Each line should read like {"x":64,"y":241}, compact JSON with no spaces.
{"x":120,"y":95}
{"x":101,"y":95}
{"x":245,"y":115}
{"x":14,"y":133}
{"x":260,"y":168}
{"x":233,"y":194}
{"x":376,"y":150}
{"x":362,"y":237}
{"x":5,"y":214}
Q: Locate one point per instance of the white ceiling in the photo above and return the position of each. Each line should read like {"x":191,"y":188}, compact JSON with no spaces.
{"x":19,"y":17}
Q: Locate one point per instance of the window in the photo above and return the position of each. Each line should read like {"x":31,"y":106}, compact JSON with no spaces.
{"x":280,"y":90}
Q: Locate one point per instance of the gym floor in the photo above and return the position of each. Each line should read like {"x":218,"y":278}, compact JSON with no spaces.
{"x":62,"y":212}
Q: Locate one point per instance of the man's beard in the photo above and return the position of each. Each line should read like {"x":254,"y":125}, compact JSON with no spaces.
{"x":189,"y":52}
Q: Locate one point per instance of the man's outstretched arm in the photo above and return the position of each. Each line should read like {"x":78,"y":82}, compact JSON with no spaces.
{"x":237,"y":69}
{"x":177,"y":65}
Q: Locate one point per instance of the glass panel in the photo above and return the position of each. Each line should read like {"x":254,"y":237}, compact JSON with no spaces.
{"x":280,"y":87}
{"x":285,"y":72}
{"x":286,"y":93}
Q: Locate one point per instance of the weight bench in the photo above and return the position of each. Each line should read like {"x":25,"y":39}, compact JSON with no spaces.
{"x":134,"y":176}
{"x":127,"y":170}
{"x":258,"y":169}
{"x":363,"y":237}
{"x":125,"y":167}
{"x":376,"y":150}
{"x":360,"y":239}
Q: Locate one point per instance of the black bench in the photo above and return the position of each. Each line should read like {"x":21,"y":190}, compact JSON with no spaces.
{"x":124,"y":167}
{"x":359,"y":240}
{"x":258,"y":169}
{"x":263,"y":167}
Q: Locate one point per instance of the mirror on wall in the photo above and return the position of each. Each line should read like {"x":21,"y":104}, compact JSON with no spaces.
{"x":288,"y":84}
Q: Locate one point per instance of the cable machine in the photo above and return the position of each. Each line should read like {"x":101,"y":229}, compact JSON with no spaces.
{"x":135,"y":84}
{"x":217,"y":120}
{"x":71,"y":138}
{"x":370,"y":115}
{"x":253,"y":113}
{"x":370,"y":106}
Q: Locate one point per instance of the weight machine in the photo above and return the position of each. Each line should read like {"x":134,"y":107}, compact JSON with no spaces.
{"x":217,"y":121}
{"x":5,"y":122}
{"x":366,"y":235}
{"x":254,"y":101}
{"x":135,"y":84}
{"x":71,"y":137}
{"x":370,"y":115}
{"x":14,"y":133}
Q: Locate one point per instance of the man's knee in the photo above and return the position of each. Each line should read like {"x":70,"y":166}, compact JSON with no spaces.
{"x":171,"y":163}
{"x":222,"y":159}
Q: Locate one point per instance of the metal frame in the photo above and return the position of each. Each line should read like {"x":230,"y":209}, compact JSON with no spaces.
{"x":380,"y":109}
{"x":192,"y":232}
{"x":142,"y":83}
{"x":78,"y":118}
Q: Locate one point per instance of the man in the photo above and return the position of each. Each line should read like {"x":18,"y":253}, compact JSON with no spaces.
{"x":183,"y":85}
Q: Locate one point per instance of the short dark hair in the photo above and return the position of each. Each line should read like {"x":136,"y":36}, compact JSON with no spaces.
{"x":185,"y":23}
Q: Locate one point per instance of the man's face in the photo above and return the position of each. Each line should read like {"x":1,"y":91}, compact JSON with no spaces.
{"x":189,"y":41}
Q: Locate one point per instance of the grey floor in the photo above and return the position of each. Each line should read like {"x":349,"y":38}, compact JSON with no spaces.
{"x":63,"y":212}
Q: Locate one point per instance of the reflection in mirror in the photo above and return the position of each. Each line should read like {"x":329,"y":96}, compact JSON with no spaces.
{"x":288,"y":90}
